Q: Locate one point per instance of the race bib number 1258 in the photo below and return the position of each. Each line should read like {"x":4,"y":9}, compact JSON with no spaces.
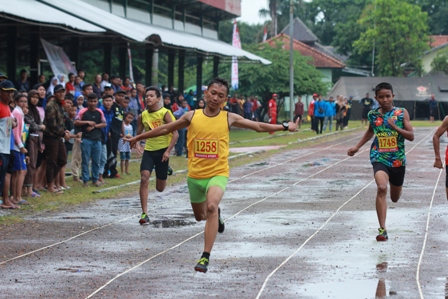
{"x":206,"y":148}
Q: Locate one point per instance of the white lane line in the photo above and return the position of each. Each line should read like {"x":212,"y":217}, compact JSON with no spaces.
{"x":200,"y":233}
{"x":417,"y":276}
{"x":322,"y":226}
{"x":135,"y":215}
{"x":66,"y":240}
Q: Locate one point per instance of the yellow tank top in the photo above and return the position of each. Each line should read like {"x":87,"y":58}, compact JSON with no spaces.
{"x":208,"y":145}
{"x":154,"y":119}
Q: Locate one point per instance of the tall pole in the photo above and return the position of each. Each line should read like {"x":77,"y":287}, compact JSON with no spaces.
{"x":291,"y":61}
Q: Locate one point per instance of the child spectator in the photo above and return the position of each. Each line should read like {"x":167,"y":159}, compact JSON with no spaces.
{"x":123,"y":146}
{"x":19,"y":150}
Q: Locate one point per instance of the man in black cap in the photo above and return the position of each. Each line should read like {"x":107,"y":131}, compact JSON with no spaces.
{"x":6,"y":95}
{"x":116,"y":131}
{"x":55,"y":153}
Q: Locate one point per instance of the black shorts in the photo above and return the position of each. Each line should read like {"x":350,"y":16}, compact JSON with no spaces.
{"x":433,"y":112}
{"x":396,"y":174}
{"x":154,"y":158}
{"x":11,"y":163}
{"x":365,"y":111}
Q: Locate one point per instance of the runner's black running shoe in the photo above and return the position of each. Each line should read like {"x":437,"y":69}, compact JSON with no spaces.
{"x":202,"y":265}
{"x":221,"y":225}
{"x":382,"y":235}
{"x":170,"y":170}
{"x":144,"y":219}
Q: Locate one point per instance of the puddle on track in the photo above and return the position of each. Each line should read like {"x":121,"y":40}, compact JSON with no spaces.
{"x":171,"y":223}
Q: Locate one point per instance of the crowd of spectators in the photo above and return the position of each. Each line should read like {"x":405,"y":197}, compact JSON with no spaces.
{"x":41,"y":123}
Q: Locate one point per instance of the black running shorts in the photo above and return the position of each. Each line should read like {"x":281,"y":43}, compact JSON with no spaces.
{"x":396,"y":174}
{"x":154,"y":158}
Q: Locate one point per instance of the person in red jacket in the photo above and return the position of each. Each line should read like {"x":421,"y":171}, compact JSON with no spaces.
{"x":272,"y":110}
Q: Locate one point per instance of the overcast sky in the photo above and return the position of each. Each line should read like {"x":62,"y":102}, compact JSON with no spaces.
{"x":249,"y":11}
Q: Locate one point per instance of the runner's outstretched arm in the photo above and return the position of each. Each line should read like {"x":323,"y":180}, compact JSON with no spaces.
{"x":182,"y":122}
{"x":240,"y":122}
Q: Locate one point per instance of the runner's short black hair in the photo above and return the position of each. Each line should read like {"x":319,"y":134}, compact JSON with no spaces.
{"x":156,"y":89}
{"x":383,"y":85}
{"x":219,"y":81}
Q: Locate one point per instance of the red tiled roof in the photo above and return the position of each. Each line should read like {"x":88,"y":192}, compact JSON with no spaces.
{"x":437,"y":40}
{"x":321,"y":60}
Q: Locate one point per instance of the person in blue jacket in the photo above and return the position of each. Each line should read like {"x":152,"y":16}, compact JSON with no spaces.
{"x":320,"y":108}
{"x":330,"y":112}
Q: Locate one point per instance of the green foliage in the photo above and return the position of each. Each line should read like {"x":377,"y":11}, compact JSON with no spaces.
{"x":440,"y":62}
{"x":263,"y":80}
{"x":399,"y":32}
{"x":249,"y":34}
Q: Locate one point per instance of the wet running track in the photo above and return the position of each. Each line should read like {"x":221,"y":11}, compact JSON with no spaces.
{"x":301,"y":224}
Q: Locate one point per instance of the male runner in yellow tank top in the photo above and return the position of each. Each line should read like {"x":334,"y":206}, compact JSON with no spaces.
{"x":157,"y":151}
{"x":208,"y":151}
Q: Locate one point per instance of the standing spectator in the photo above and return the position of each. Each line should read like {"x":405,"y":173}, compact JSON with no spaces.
{"x":233,"y":104}
{"x":55,"y":154}
{"x":272,"y":110}
{"x":190,"y":98}
{"x":34,"y":142}
{"x":19,"y":150}
{"x":105,"y":81}
{"x":184,"y":108}
{"x":247,"y":108}
{"x":141,"y":95}
{"x":54,"y":81}
{"x":41,"y":80}
{"x":79,"y":101}
{"x":116,"y":131}
{"x":172,"y":92}
{"x":319,"y":114}
{"x":61,"y":79}
{"x":330,"y":112}
{"x":311,"y":112}
{"x":134,"y":107}
{"x":96,"y":86}
{"x":41,"y":93}
{"x":91,"y":120}
{"x":349,"y":111}
{"x":367,"y":103}
{"x":78,"y":84}
{"x":86,"y":90}
{"x":127,"y":85}
{"x":108,"y":115}
{"x":200,"y":104}
{"x":298,"y":111}
{"x":123,"y":146}
{"x":70,"y":126}
{"x":22,"y":84}
{"x":70,"y":85}
{"x":255,"y":107}
{"x":432,"y":107}
{"x":81,"y":75}
{"x":341,"y":109}
{"x":115,"y":81}
{"x":167,"y":101}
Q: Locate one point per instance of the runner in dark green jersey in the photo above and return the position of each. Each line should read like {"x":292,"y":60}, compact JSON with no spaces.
{"x":390,"y":126}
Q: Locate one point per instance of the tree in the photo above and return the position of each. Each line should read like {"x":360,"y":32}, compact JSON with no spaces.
{"x":399,"y":32}
{"x":263,"y":80}
{"x":440,"y":62}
